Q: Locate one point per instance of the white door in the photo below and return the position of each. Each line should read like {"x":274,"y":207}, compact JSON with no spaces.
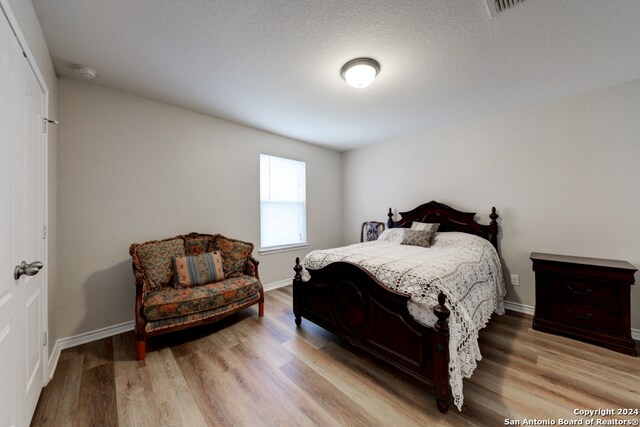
{"x":22,"y":145}
{"x":28,"y":236}
{"x":9,"y":292}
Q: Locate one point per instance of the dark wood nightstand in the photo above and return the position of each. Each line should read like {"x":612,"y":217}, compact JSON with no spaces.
{"x":585,"y":298}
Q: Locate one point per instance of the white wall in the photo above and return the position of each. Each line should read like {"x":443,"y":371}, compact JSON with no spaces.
{"x":132,"y":170}
{"x":564,"y":176}
{"x":30,"y":27}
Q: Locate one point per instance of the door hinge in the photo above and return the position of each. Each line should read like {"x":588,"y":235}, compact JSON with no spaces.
{"x":45,"y":338}
{"x":44,"y":231}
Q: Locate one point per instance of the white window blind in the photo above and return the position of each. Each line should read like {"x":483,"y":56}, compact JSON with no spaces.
{"x":283,"y":202}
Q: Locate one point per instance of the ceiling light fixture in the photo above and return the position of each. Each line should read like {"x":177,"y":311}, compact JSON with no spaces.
{"x":360,"y":72}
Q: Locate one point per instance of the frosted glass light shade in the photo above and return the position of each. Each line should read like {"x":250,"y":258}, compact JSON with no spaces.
{"x":360,"y":72}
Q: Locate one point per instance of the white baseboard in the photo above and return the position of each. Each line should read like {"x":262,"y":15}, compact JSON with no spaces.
{"x":527,"y":309}
{"x":84,"y":338}
{"x":276,"y":285}
{"x":53,"y":361}
{"x":520,"y":308}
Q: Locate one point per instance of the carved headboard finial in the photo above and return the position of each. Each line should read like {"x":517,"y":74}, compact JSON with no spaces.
{"x":390,"y":220}
{"x":493,"y":228}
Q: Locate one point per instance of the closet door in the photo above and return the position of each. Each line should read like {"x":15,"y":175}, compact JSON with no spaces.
{"x":10,"y":296}
{"x":29,"y":238}
{"x":22,"y":145}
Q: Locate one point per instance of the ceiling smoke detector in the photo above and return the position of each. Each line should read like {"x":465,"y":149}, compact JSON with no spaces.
{"x":84,"y":72}
{"x":497,"y":6}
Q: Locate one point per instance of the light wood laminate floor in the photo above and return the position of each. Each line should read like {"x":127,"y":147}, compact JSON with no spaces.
{"x":251,"y":371}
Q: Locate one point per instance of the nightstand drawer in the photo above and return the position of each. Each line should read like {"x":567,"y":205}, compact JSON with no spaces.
{"x":579,"y":290}
{"x":584,"y":315}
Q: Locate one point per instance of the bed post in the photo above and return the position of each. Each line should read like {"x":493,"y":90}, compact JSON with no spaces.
{"x":493,"y":228}
{"x":390,"y":220}
{"x":297,"y":291}
{"x":441,"y":355}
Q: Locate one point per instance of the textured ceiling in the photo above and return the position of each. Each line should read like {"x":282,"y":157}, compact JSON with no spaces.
{"x":275,"y":64}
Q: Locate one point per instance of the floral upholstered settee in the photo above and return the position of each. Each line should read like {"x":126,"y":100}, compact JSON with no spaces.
{"x":191,"y":280}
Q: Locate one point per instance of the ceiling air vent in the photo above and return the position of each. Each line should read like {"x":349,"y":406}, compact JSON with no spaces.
{"x":497,"y":6}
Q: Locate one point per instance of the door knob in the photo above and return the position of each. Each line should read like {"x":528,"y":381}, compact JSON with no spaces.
{"x":28,"y":269}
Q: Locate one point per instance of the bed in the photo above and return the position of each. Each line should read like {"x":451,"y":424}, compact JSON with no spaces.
{"x":399,"y":304}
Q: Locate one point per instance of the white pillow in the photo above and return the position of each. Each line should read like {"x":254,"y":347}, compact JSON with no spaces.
{"x":433,"y":227}
{"x":394,"y":235}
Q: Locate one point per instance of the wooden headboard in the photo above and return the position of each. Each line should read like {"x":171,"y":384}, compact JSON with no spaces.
{"x":449,"y":219}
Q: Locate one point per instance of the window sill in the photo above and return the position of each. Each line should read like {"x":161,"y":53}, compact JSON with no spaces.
{"x":278,"y":249}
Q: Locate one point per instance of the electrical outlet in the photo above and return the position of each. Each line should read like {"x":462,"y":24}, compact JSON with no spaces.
{"x":515,"y":280}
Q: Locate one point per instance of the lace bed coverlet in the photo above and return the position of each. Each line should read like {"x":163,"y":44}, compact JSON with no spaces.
{"x":463,"y":266}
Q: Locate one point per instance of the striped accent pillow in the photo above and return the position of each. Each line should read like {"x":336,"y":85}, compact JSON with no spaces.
{"x":433,"y":227}
{"x":197,"y":269}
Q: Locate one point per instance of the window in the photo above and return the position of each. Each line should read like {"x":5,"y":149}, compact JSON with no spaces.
{"x":283,"y":203}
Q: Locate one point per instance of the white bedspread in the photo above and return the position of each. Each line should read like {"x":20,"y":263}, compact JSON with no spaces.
{"x":465,"y":267}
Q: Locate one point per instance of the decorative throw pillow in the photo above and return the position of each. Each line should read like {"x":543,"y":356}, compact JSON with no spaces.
{"x":417,"y":238}
{"x":195,"y":244}
{"x":235,"y":254}
{"x":197,"y":269}
{"x":428,"y":226}
{"x":155,"y":258}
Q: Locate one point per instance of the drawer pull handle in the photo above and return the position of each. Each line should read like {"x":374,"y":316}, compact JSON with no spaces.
{"x":579,"y":316}
{"x":583,"y":293}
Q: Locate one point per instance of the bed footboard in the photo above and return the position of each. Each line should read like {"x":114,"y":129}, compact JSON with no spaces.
{"x":349,"y":302}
